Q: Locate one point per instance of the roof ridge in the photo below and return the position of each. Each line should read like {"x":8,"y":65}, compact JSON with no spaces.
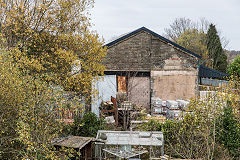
{"x":155,"y":34}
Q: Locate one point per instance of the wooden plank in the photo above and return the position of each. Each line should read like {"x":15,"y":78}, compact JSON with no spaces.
{"x":122,"y":83}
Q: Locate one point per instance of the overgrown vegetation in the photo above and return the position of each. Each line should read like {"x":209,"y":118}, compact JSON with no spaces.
{"x":26,"y":124}
{"x":87,"y":126}
{"x":215,"y":49}
{"x":234,"y":67}
{"x":209,"y":130}
{"x":202,"y":38}
{"x":48,"y":57}
{"x":228,"y":131}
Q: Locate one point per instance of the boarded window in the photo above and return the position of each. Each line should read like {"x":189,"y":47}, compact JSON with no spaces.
{"x":122,"y":84}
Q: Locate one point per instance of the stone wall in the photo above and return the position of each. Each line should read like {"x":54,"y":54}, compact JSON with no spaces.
{"x":173,"y":75}
{"x":132,"y":54}
{"x":139,"y":91}
{"x":144,"y":52}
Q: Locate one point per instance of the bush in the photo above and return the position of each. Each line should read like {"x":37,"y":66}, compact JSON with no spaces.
{"x":228,"y":131}
{"x":182,"y":139}
{"x":209,"y":130}
{"x":188,"y":138}
{"x":87,"y":126}
{"x":234,"y":67}
{"x":151,"y":125}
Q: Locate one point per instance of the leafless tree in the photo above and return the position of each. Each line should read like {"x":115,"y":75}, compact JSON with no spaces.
{"x":180,"y":25}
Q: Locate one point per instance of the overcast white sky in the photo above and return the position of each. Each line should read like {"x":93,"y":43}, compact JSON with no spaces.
{"x":115,"y":17}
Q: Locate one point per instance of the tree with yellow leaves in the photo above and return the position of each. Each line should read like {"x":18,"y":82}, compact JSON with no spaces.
{"x":51,"y":36}
{"x":25,"y":124}
{"x":45,"y":45}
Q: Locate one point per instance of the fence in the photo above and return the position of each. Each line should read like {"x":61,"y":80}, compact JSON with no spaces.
{"x":214,"y":82}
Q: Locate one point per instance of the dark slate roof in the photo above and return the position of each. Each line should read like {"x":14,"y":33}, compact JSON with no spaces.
{"x":154,"y":34}
{"x":205,"y":72}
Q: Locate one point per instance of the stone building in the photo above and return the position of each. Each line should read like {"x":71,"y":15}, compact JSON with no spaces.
{"x":145,"y":65}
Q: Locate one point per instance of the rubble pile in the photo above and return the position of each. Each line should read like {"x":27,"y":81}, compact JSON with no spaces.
{"x":170,"y":109}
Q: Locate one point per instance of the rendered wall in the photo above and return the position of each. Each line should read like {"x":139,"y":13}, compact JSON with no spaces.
{"x":173,"y":85}
{"x":106,"y":87}
{"x":176,"y":80}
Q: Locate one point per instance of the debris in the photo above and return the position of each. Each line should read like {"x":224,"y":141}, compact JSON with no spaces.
{"x":109,"y":119}
{"x":173,"y":110}
{"x":106,"y":105}
{"x":109,"y":108}
{"x":183,"y":104}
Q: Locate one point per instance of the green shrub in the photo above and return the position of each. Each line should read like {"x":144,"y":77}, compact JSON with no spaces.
{"x":228,"y":131}
{"x":151,"y":125}
{"x":182,"y":138}
{"x":87,"y":126}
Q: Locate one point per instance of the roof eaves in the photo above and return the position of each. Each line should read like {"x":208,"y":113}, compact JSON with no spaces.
{"x":211,"y":73}
{"x":84,"y":144}
{"x":154,"y":34}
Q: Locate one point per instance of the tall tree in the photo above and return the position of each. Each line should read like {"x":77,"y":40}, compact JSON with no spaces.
{"x":195,"y":41}
{"x":42,"y":41}
{"x":192,"y":35}
{"x":181,"y":25}
{"x":215,"y":49}
{"x":52,"y":36}
{"x":25,"y":121}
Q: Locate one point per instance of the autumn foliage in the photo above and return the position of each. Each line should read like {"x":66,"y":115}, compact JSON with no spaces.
{"x":47,"y":50}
